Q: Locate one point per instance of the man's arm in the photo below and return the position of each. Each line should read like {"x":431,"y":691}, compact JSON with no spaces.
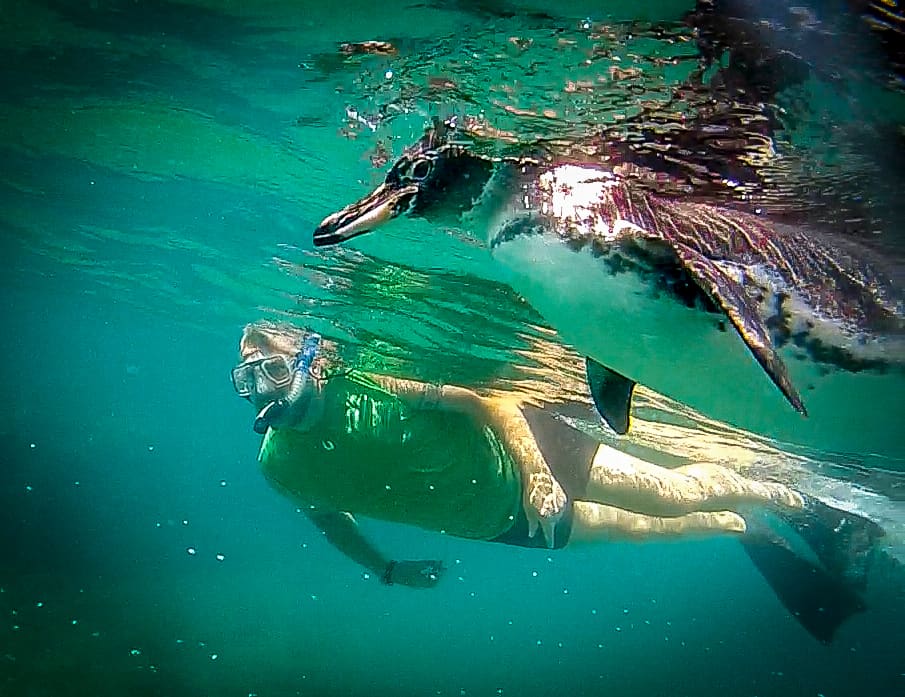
{"x":424,"y":396}
{"x":342,"y":532}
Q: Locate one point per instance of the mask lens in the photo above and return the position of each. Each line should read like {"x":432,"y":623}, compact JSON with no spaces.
{"x":277,"y":370}
{"x":243,"y":380}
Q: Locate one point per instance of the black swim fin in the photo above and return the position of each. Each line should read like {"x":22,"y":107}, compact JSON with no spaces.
{"x":821,"y":584}
{"x":612,"y":395}
{"x":819,"y":601}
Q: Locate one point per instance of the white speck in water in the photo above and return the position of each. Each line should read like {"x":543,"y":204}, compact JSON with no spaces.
{"x":534,"y":573}
{"x":28,"y":487}
{"x":539,"y":642}
{"x":221,"y":557}
{"x":388,"y":74}
{"x":222,"y":482}
{"x":314,"y":597}
{"x":594,"y":611}
{"x":185,"y":522}
{"x":75,"y":622}
{"x":135,"y":652}
{"x":328,"y":444}
{"x":39,"y":604}
{"x":32,"y":445}
{"x":190,"y":550}
{"x":150,"y":448}
{"x":366,"y":576}
{"x":215,"y":656}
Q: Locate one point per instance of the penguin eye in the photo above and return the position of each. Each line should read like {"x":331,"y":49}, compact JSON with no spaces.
{"x":421,"y":169}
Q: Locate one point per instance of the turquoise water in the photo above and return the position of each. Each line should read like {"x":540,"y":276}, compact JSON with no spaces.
{"x":164,"y":165}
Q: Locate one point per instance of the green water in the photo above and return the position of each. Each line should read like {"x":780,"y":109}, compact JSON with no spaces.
{"x":164,"y":164}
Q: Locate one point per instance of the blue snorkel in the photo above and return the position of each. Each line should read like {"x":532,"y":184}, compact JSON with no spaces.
{"x":301,"y":369}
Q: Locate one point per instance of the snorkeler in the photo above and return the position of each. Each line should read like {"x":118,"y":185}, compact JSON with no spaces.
{"x":340,"y":441}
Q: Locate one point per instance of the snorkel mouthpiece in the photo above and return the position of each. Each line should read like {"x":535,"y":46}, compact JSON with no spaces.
{"x":301,"y":369}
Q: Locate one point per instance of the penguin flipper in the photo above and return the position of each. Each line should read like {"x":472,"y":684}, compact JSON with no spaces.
{"x":612,"y":395}
{"x":730,"y":296}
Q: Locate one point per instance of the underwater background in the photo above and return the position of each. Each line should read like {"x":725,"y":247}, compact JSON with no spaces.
{"x":163,"y":167}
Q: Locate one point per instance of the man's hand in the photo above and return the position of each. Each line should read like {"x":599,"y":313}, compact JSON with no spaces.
{"x":544,"y":503}
{"x":414,"y":574}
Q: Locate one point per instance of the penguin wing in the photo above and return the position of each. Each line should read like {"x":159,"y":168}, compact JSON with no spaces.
{"x":729,"y":295}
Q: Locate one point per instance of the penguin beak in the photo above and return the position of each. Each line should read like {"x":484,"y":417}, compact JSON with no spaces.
{"x":375,"y":209}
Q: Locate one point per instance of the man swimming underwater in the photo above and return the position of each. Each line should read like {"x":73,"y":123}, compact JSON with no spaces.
{"x":343,"y":442}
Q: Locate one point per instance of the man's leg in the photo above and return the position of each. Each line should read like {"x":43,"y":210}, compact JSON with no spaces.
{"x":594,"y":522}
{"x":628,"y":482}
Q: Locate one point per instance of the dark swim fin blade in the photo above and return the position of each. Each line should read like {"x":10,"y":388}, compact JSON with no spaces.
{"x":612,"y":395}
{"x":818,"y":600}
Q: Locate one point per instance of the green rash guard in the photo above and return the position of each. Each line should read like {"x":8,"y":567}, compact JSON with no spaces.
{"x":371,"y":455}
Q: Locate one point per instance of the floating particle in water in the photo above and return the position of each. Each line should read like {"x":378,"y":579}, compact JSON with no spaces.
{"x":388,"y":74}
{"x":328,"y":445}
{"x":220,"y":557}
{"x":185,"y":522}
{"x":534,"y":574}
{"x":32,"y":445}
{"x":150,"y":448}
{"x":222,"y":482}
{"x":366,"y":576}
{"x":135,"y":652}
{"x":39,"y":604}
{"x":215,"y":656}
{"x":75,"y":622}
{"x":28,"y":487}
{"x":190,"y":550}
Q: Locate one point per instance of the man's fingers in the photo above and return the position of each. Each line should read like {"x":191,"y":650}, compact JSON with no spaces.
{"x":548,"y":525}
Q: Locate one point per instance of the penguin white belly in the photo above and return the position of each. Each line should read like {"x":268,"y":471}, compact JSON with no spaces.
{"x":622,"y":322}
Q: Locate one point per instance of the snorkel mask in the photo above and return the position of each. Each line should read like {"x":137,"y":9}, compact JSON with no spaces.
{"x":279,"y":372}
